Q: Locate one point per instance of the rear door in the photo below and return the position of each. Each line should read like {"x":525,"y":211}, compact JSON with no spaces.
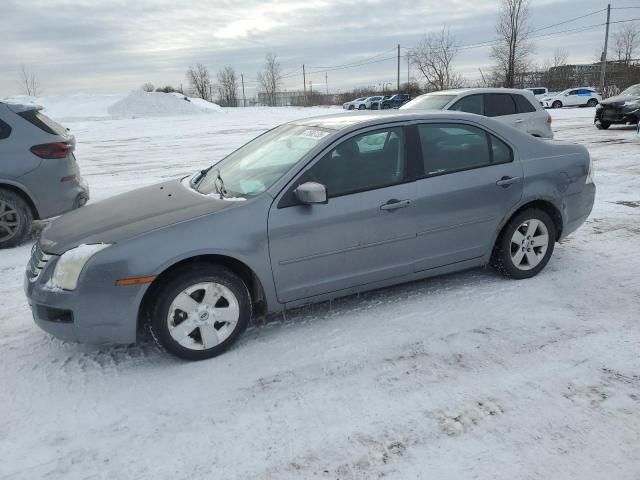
{"x":470,"y":180}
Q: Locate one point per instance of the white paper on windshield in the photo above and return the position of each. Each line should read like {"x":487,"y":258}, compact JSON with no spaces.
{"x":314,"y":134}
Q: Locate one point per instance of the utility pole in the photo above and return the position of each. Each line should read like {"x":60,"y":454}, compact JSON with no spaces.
{"x":398,"y":68}
{"x":603,"y":67}
{"x":408,"y":65}
{"x":326,"y":82}
{"x":304,"y":85}
{"x":244,"y":100}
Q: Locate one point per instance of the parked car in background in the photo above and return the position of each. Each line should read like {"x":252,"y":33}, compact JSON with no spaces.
{"x":413,"y":194}
{"x":39,"y":176}
{"x":572,"y":97}
{"x":373,"y":103}
{"x":517,"y":108}
{"x":396,"y":101}
{"x":621,"y":110}
{"x":352,"y":104}
{"x":539,"y":92}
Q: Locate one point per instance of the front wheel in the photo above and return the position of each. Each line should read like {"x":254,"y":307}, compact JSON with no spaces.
{"x":602,"y":125}
{"x":200,"y":312}
{"x":525,"y":244}
{"x":556,"y":104}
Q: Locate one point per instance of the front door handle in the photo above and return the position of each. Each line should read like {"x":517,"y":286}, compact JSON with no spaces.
{"x":519,"y":120}
{"x":506,"y":181}
{"x":394,"y":204}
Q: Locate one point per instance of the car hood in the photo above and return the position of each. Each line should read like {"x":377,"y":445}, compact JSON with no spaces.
{"x":619,"y":99}
{"x":128,"y":215}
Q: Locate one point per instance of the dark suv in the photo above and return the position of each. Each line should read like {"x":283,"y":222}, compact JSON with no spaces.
{"x":621,"y":109}
{"x":39,"y":176}
{"x":396,"y":101}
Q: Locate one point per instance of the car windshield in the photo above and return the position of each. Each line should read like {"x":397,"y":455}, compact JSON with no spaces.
{"x":428,"y":102}
{"x":632,"y":91}
{"x":256,"y":166}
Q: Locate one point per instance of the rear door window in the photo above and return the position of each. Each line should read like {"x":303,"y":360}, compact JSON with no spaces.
{"x":470,"y":104}
{"x":43,"y":122}
{"x":448,"y":148}
{"x":499,"y":104}
{"x":523,"y":105}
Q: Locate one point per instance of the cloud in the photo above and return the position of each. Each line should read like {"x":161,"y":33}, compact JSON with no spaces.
{"x":116,"y":45}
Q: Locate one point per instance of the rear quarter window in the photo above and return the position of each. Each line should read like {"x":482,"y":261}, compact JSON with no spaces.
{"x":523,"y":105}
{"x":43,"y":122}
{"x":5,"y":130}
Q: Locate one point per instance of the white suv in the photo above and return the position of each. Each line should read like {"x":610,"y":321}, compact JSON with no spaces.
{"x":573,"y":97}
{"x":518,"y":108}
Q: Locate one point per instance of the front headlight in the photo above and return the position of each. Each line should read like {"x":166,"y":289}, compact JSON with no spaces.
{"x":632,"y":103}
{"x":70,"y":265}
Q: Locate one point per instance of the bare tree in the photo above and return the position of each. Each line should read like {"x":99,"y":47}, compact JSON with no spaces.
{"x":626,"y":41}
{"x":434,"y":57}
{"x":29,"y":82}
{"x":147,"y":87}
{"x":200,"y":81}
{"x":228,"y":87}
{"x":556,"y":75}
{"x":511,"y":53}
{"x":270,"y":78}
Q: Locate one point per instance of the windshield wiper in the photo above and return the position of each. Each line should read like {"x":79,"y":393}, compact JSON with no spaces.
{"x":221,"y":190}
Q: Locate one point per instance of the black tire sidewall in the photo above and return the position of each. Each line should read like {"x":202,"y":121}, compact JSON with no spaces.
{"x":556,"y":104}
{"x":26,"y":218}
{"x":592,"y":102}
{"x":502,"y":256}
{"x":170,"y":288}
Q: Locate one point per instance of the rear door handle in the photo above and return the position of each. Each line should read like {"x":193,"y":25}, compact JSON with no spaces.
{"x":394,"y":204}
{"x":506,"y":181}
{"x":519,"y":120}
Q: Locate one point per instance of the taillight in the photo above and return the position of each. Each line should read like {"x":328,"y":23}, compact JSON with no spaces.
{"x":52,"y":150}
{"x":549,"y":119}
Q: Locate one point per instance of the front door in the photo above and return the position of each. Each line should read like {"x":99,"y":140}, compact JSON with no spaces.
{"x":471,"y":180}
{"x":363,"y":234}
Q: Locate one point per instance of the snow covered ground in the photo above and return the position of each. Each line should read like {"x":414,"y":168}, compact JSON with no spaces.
{"x":465,"y":376}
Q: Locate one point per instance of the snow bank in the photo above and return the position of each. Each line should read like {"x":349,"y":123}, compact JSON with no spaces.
{"x":154,"y":104}
{"x":104,"y":107}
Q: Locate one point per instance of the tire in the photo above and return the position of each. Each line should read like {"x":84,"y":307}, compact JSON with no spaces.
{"x":183,"y":298}
{"x":362,"y":107}
{"x":556,"y":104}
{"x":15,"y":219}
{"x":592,"y":102}
{"x":602,"y":125}
{"x":513,"y":254}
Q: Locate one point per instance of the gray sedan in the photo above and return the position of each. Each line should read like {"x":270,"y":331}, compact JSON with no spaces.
{"x":311,"y":210}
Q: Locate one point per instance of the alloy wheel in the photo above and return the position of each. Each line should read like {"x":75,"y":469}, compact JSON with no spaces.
{"x":9,"y":221}
{"x":203,"y":316}
{"x":529,"y":244}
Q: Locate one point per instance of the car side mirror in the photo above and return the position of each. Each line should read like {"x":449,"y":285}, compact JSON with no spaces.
{"x":311,"y":192}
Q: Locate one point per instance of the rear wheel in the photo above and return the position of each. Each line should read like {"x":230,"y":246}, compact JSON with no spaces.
{"x":200,"y":312}
{"x":15,"y":219}
{"x":556,"y":104}
{"x":525,"y":244}
{"x":592,"y":102}
{"x":362,"y":107}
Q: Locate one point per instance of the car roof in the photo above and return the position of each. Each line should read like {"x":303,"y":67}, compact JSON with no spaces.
{"x":343,"y":121}
{"x":462,"y":91}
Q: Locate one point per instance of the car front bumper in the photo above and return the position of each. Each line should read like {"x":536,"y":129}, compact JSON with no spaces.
{"x":97,"y":312}
{"x":617,"y":114}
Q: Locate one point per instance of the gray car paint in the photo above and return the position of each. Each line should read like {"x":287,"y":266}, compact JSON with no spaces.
{"x":303,"y":254}
{"x":36,"y":179}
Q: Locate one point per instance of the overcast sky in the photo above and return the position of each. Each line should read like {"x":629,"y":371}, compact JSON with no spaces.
{"x":100,"y":46}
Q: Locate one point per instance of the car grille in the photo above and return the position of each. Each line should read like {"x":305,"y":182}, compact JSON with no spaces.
{"x":612,"y":113}
{"x":37,"y":263}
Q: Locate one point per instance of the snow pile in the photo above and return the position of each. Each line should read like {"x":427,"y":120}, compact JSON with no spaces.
{"x":71,"y":107}
{"x":157,"y":104}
